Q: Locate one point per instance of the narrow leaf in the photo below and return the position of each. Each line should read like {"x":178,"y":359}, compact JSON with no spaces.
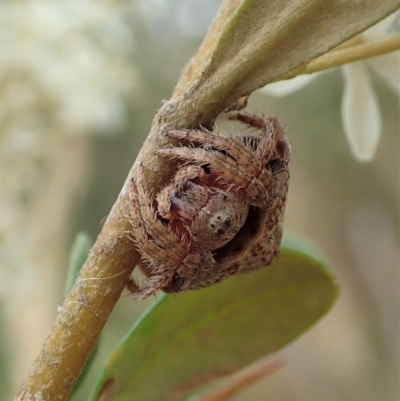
{"x":263,"y":40}
{"x":80,"y":251}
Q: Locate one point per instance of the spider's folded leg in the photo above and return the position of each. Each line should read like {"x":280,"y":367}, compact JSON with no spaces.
{"x":159,"y":248}
{"x":268,"y":250}
{"x":236,"y":147}
{"x":230,"y":174}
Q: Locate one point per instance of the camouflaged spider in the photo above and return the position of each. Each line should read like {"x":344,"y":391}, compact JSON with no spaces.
{"x":222,"y":212}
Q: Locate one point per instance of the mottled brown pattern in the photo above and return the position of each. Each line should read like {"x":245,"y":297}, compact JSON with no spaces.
{"x":222,"y":212}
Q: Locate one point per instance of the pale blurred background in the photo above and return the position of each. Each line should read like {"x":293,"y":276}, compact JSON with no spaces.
{"x":80,"y":81}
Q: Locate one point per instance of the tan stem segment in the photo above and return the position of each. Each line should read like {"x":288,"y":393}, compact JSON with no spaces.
{"x":77,"y":327}
{"x":243,"y":380}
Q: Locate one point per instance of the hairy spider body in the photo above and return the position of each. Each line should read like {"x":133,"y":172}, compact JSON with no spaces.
{"x":221,"y":213}
{"x":209,"y":213}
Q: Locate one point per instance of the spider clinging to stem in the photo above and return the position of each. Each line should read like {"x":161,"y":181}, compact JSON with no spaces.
{"x":222,"y":212}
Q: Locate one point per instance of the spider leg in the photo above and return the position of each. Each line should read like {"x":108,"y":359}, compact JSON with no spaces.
{"x":267,"y":127}
{"x":242,"y":163}
{"x":264,"y":252}
{"x":229,"y":172}
{"x":235,"y":147}
{"x":256,"y":121}
{"x":149,"y":251}
{"x":167,"y":256}
{"x":217,"y":161}
{"x":273,"y":142}
{"x":267,"y":238}
{"x":199,"y":270}
{"x":252,"y":121}
{"x":154,"y":236}
{"x":155,"y":241}
{"x":182,"y":194}
{"x":273,"y":148}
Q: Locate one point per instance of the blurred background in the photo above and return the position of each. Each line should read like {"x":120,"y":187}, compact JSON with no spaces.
{"x":80,"y":81}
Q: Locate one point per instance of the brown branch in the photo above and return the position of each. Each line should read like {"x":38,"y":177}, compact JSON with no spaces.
{"x":252,"y":43}
{"x":77,"y":327}
{"x":243,"y":380}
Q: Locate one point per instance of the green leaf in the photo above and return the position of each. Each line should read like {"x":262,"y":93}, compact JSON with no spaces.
{"x":79,"y":253}
{"x":186,"y":339}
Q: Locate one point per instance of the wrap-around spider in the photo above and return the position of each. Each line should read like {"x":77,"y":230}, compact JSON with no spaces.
{"x":222,"y":212}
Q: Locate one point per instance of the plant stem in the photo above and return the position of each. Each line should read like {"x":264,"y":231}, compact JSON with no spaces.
{"x":243,"y":380}
{"x":85,"y":311}
{"x":345,"y":55}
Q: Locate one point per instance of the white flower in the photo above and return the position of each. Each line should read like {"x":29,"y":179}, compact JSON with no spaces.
{"x":69,"y":62}
{"x":190,"y":17}
{"x":65,"y":69}
{"x":360,"y":108}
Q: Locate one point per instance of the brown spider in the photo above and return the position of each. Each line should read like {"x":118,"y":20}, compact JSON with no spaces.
{"x":222,"y":212}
